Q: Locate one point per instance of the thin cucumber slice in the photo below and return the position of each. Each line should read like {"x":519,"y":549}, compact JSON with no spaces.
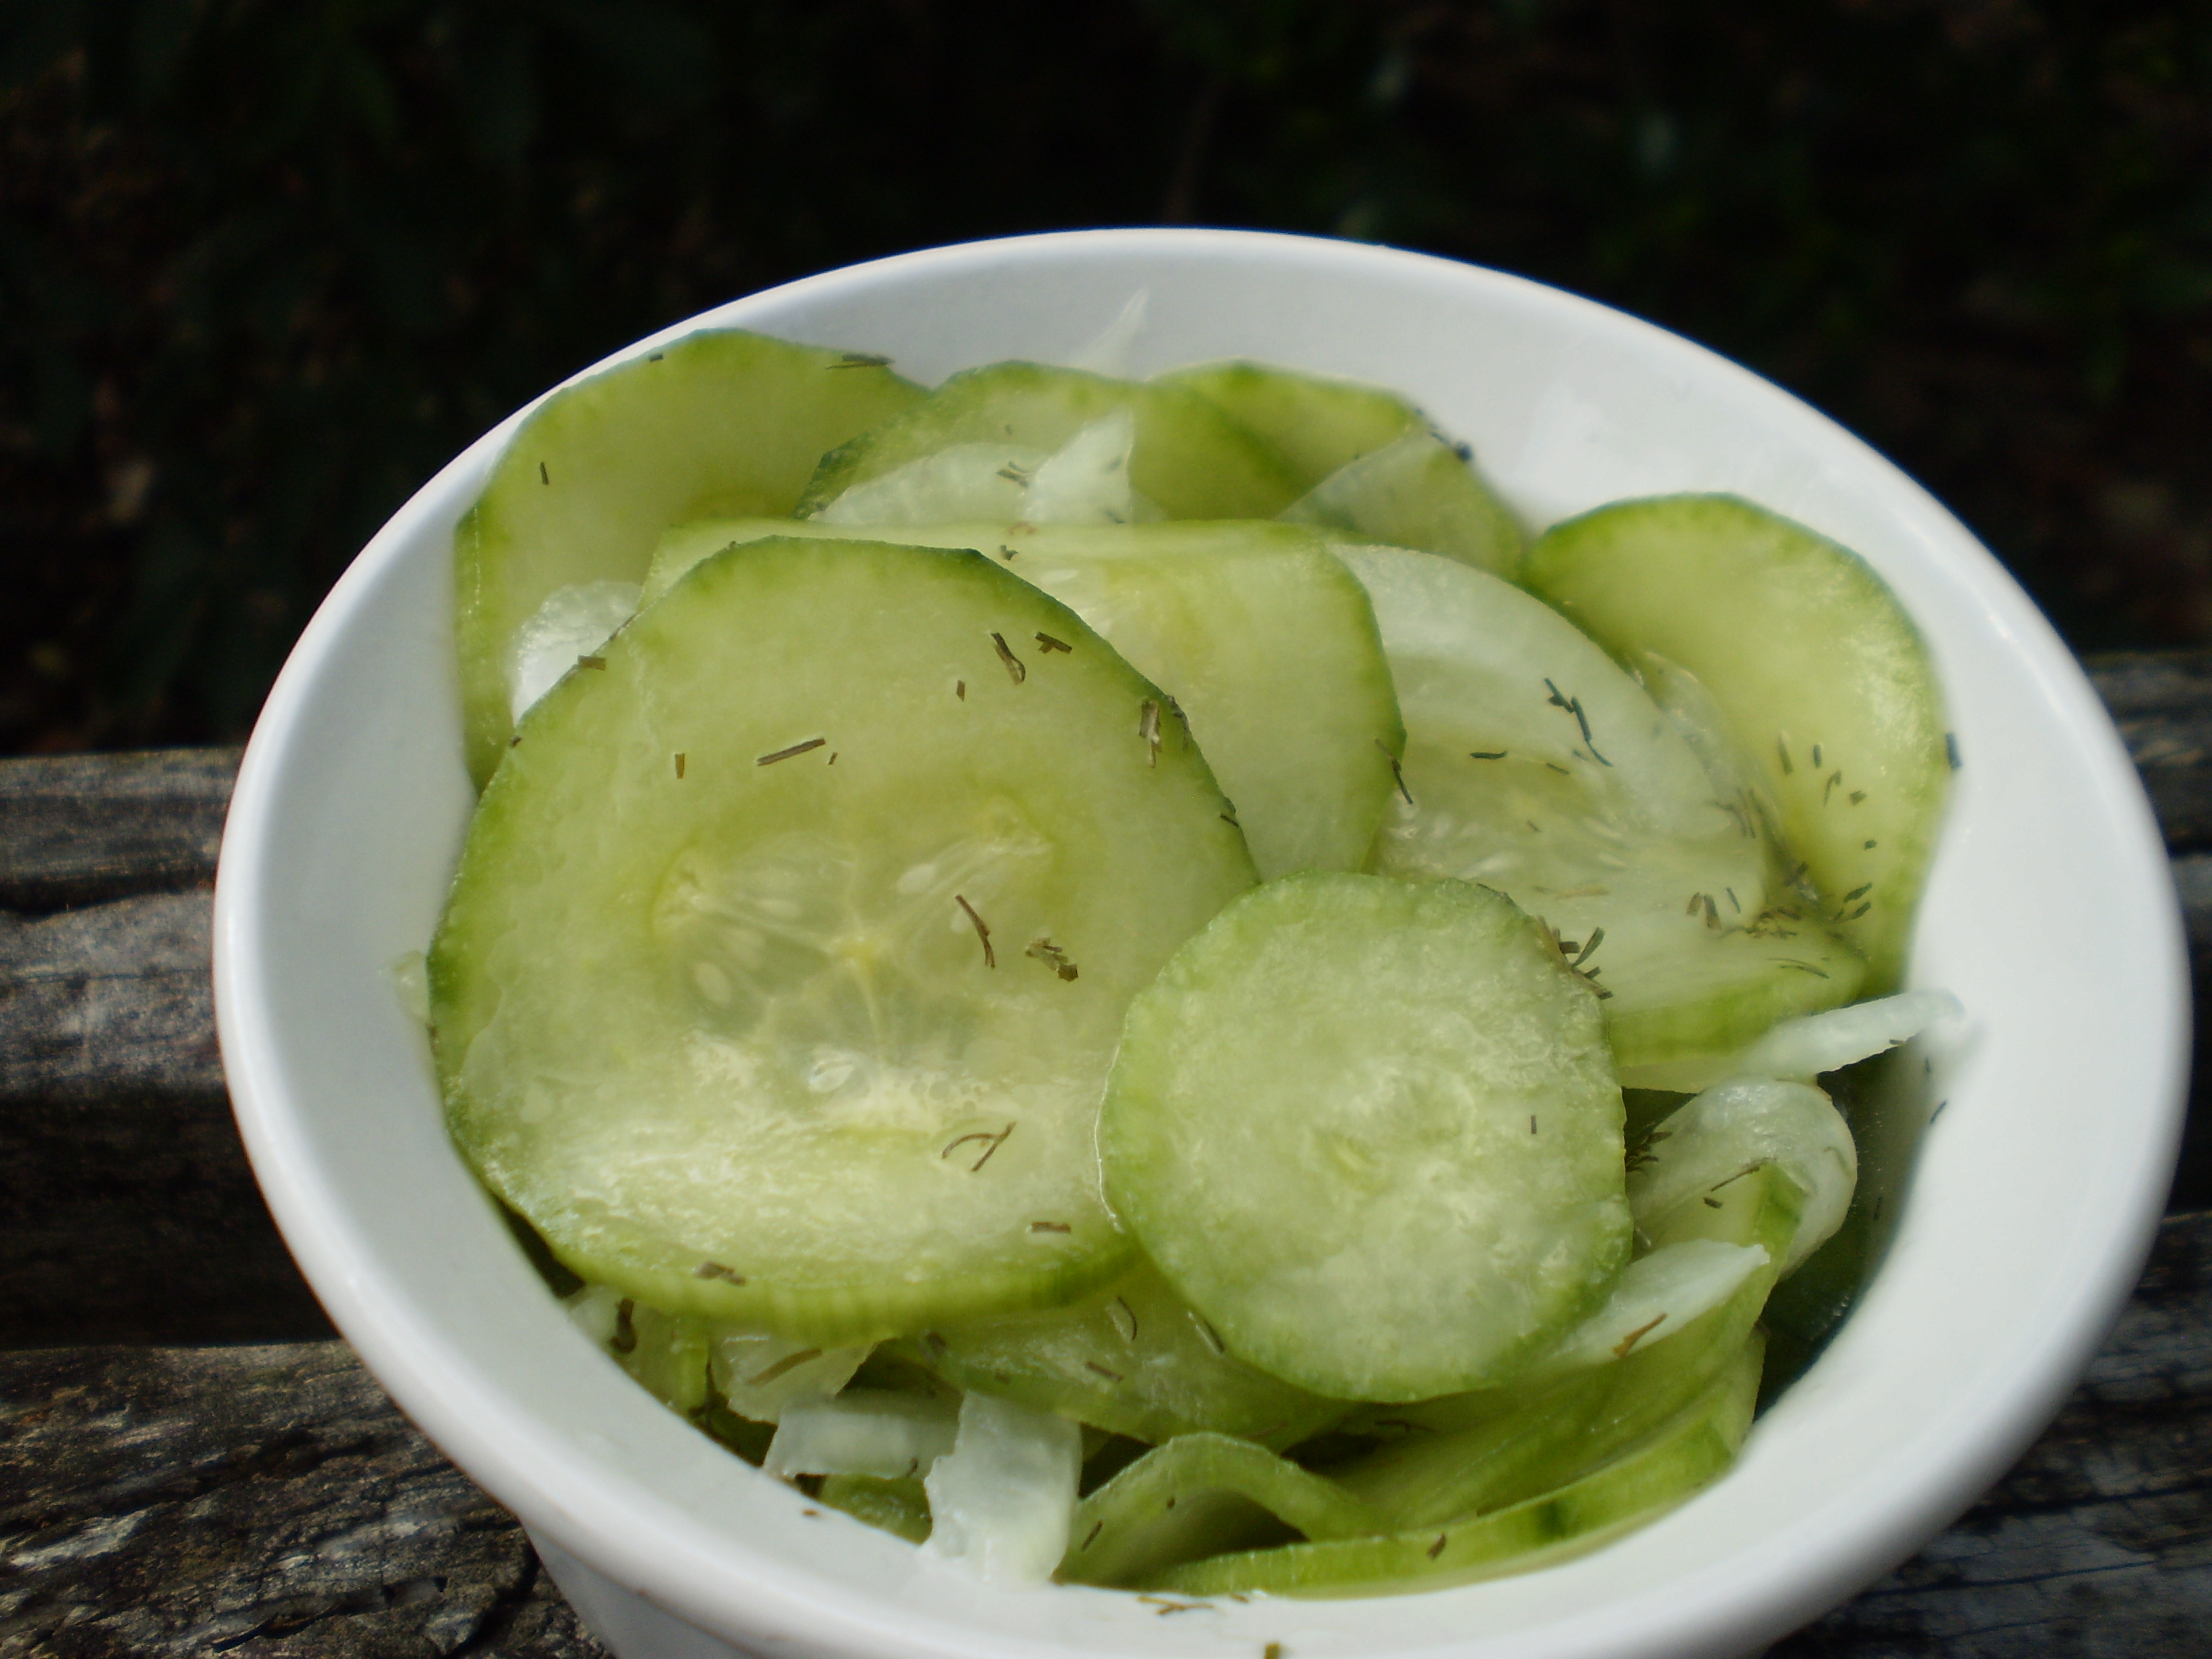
{"x":1371,"y":465}
{"x":1670,"y":1465}
{"x":1315,"y":421}
{"x":898,"y":1507}
{"x":789,"y":949}
{"x":1370,"y":1130}
{"x":1416,"y":492}
{"x":719,"y":422}
{"x":1737,"y":1129}
{"x":1189,"y":459}
{"x":1085,"y":481}
{"x":1820,"y":675}
{"x":1536,"y":765}
{"x":1202,"y":1495}
{"x":1134,"y":1358}
{"x":1266,"y":643}
{"x":893,"y":1437}
{"x":1003,"y":1498}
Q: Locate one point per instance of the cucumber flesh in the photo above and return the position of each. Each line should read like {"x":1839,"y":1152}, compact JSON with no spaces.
{"x":719,"y":422}
{"x":1266,"y":645}
{"x":1669,"y":1465}
{"x":1202,"y":1495}
{"x":1370,"y":1130}
{"x":730,"y":1031}
{"x":1417,"y":492}
{"x":1189,"y":459}
{"x":1820,"y":676}
{"x":1534,"y":764}
{"x":1134,"y":1358}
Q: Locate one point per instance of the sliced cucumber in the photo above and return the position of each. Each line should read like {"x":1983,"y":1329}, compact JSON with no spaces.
{"x":788,"y":951}
{"x":1669,"y":1465}
{"x":1820,"y":675}
{"x":719,"y":422}
{"x":1202,"y":1495}
{"x":1190,"y":460}
{"x":898,"y":1507}
{"x":1134,"y":1358}
{"x":1370,"y":1130}
{"x":1265,"y":642}
{"x":1536,"y":765}
{"x":1315,"y":422}
{"x":1416,"y":492}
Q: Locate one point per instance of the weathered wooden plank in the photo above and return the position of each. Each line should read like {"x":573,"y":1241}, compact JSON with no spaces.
{"x":112,"y":999}
{"x":75,"y":829}
{"x":2162,"y":703}
{"x":269,"y":1500}
{"x":2100,"y":1542}
{"x":256,"y":1502}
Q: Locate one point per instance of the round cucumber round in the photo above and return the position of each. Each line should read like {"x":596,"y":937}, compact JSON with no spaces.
{"x":1370,"y":1130}
{"x":789,"y":947}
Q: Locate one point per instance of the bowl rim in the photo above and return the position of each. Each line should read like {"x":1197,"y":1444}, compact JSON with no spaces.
{"x":527,"y":1472}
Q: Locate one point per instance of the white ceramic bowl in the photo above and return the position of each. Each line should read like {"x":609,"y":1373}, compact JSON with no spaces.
{"x":2050,"y":913}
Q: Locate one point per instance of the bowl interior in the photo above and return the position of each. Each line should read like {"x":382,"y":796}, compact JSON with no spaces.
{"x":2050,"y":913}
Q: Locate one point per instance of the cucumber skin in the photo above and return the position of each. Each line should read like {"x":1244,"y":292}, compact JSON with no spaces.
{"x":464,"y":999}
{"x":1191,"y":460}
{"x":1673,"y":1463}
{"x":1743,"y":598}
{"x":722,"y":420}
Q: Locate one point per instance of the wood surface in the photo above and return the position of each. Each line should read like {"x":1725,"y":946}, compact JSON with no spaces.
{"x":162,"y":1492}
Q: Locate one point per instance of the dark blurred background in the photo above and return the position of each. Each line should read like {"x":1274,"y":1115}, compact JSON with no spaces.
{"x":264,"y":265}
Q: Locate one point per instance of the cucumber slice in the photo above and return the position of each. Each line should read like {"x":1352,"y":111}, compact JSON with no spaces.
{"x":1266,"y":643}
{"x":1820,"y":675}
{"x":1417,"y":492}
{"x":719,"y":422}
{"x":1003,"y":1498}
{"x":898,"y":1507}
{"x":1189,"y":459}
{"x":1536,"y":765}
{"x":1134,"y":1358}
{"x":1315,"y":422}
{"x":1369,"y":1131}
{"x":1202,"y":1495}
{"x":714,"y":1003}
{"x":1370,"y":464}
{"x":1671,"y":1464}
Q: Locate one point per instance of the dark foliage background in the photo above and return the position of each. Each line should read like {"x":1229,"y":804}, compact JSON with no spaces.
{"x":266,"y":264}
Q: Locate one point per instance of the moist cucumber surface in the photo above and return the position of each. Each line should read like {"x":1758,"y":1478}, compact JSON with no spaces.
{"x":1821,"y":677}
{"x":1266,"y":642}
{"x":1190,"y":460}
{"x":1536,"y":765}
{"x":789,"y":948}
{"x":1370,"y":1130}
{"x":720,"y":422}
